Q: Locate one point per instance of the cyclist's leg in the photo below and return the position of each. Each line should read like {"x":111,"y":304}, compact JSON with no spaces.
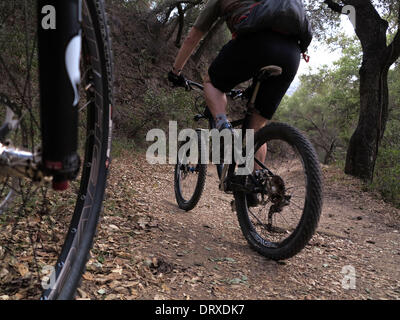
{"x":268,"y":99}
{"x":216,"y":102}
{"x":285,"y":53}
{"x":226,"y":71}
{"x":256,"y":122}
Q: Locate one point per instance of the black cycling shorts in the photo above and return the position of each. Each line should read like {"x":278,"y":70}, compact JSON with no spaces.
{"x":240,"y":60}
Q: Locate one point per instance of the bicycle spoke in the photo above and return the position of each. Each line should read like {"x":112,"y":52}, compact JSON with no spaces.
{"x":299,"y":207}
{"x":258,"y":220}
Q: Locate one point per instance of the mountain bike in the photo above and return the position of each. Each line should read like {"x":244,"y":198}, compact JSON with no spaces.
{"x":56,"y":101}
{"x":278,"y":205}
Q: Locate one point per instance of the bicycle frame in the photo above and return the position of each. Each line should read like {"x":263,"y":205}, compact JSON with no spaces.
{"x":59,"y":45}
{"x":228,"y":170}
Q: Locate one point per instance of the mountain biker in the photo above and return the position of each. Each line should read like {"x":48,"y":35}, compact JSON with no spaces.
{"x":238,"y":61}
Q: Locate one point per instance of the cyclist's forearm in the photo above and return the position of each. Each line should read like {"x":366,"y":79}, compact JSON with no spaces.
{"x":188,"y":46}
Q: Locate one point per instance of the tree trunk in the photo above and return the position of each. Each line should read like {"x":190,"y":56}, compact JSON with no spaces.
{"x":172,"y":31}
{"x":329,"y":153}
{"x":371,"y":29}
{"x":181,"y":19}
{"x":364,"y":143}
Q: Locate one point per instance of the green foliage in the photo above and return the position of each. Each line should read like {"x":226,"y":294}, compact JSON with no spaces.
{"x":326,"y":22}
{"x":158,"y":108}
{"x":387,"y":171}
{"x":122,"y":144}
{"x":387,"y":174}
{"x":327,"y":103}
{"x":326,"y":107}
{"x":169,"y":105}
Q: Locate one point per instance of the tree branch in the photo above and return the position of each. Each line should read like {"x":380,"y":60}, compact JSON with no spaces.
{"x":181,"y":19}
{"x":394,"y":47}
{"x":174,"y":3}
{"x":334,"y":6}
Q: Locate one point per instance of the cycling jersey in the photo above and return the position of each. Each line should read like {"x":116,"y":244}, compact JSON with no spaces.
{"x":241,"y":58}
{"x":230,"y":10}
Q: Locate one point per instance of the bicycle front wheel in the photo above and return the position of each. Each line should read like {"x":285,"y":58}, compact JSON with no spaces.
{"x":289,"y":207}
{"x":46,"y":236}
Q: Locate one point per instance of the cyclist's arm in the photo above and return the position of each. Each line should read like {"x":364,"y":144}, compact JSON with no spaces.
{"x":188,"y":46}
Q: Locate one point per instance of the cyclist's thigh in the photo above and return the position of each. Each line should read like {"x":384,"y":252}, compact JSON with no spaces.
{"x":227,"y":70}
{"x":231,"y":66}
{"x":274,"y":89}
{"x":240,"y":59}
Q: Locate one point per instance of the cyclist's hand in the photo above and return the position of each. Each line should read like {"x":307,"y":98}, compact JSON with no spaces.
{"x":177,"y":80}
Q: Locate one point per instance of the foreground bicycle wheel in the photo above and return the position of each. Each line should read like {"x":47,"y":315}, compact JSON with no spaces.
{"x":290,"y":205}
{"x":45,"y":236}
{"x":189,"y":179}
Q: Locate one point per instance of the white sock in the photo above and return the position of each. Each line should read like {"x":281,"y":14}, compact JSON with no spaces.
{"x":220,"y":119}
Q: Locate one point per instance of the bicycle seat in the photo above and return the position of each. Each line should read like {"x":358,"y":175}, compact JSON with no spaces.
{"x":269,"y":71}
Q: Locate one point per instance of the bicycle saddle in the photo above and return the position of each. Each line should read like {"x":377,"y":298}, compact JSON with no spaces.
{"x":269,"y":71}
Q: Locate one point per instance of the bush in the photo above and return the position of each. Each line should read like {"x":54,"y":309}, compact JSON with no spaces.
{"x":387,"y":175}
{"x":157,"y":109}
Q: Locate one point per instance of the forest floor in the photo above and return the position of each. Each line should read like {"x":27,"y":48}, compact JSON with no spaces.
{"x":148,"y":248}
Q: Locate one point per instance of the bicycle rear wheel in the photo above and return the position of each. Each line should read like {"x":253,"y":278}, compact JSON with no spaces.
{"x":189,"y":178}
{"x":291,"y":201}
{"x":45,"y":236}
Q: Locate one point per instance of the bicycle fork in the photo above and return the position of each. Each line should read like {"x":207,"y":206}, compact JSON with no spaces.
{"x":59,"y":45}
{"x":59,"y":42}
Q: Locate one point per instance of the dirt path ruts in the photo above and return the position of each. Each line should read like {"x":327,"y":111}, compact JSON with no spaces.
{"x":148,"y":248}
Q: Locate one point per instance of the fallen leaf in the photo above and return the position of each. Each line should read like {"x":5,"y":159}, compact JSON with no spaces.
{"x":18,"y":296}
{"x":101,"y":291}
{"x":235,"y":281}
{"x":23,"y":269}
{"x":134,"y":292}
{"x":3,"y":273}
{"x":165,"y":288}
{"x":82,"y":293}
{"x":88,"y":276}
{"x":117,"y":270}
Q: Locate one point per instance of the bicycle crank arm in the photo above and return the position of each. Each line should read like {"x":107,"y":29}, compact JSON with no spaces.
{"x":223,"y":182}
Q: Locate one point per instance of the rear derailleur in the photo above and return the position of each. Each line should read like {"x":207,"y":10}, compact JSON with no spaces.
{"x":269,"y":188}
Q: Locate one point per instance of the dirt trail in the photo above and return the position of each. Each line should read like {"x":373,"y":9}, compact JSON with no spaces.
{"x":147,"y":248}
